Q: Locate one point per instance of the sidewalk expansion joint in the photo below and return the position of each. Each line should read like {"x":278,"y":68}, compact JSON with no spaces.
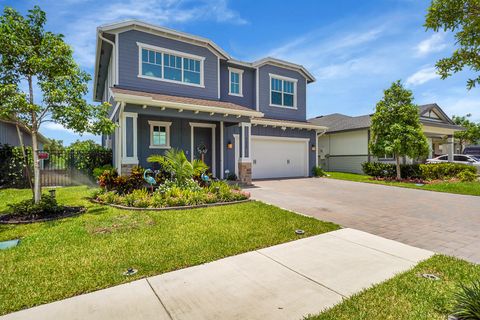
{"x":302,"y":275}
{"x":160,"y":300}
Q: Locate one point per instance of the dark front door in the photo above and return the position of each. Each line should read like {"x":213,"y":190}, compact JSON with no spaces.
{"x":202,"y":145}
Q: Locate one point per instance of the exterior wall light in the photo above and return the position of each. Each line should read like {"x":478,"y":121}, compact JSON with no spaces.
{"x":313,"y":147}
{"x":229,"y":145}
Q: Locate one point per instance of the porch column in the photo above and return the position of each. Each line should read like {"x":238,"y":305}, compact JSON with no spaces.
{"x":129,"y":142}
{"x":245,"y":162}
{"x":430,"y":148}
{"x":450,"y":147}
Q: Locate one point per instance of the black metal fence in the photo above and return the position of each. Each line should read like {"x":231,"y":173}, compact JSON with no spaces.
{"x":59,"y":168}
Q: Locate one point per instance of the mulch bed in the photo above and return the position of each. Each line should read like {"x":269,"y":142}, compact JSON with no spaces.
{"x":18,"y":219}
{"x":407,"y":180}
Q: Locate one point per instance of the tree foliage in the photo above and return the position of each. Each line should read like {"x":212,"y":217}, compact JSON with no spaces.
{"x":396,"y":128}
{"x":463,"y":18}
{"x":471,"y":134}
{"x":33,"y":57}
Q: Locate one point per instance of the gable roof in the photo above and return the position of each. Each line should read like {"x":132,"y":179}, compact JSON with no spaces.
{"x":133,"y":24}
{"x":339,"y":122}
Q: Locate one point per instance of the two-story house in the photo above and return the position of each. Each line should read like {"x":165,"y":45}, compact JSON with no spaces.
{"x":169,"y":89}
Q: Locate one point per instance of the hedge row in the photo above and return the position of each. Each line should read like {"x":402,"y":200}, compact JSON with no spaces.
{"x":434,"y":171}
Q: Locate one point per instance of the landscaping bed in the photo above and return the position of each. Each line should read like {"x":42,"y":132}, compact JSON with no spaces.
{"x":20,"y":219}
{"x":68,"y":257}
{"x":409,"y":295}
{"x":451,"y":186}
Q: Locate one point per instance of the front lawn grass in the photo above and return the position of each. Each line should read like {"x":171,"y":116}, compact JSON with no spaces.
{"x":76,"y":255}
{"x":467,"y":188}
{"x":408,"y":296}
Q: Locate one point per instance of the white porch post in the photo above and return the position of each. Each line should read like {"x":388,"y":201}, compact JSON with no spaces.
{"x":450,"y":147}
{"x":430,"y":147}
{"x":221,"y":151}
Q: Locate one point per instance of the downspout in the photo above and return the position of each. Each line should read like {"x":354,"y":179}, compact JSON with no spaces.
{"x":114,"y":60}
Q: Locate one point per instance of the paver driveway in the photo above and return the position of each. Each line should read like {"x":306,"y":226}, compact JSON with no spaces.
{"x":441,"y":222}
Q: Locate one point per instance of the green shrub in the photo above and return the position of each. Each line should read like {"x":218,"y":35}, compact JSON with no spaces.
{"x":97,"y":172}
{"x":467,"y":302}
{"x":389,"y":170}
{"x":47,"y":206}
{"x":467,"y":176}
{"x":318,"y":172}
{"x":445,"y":171}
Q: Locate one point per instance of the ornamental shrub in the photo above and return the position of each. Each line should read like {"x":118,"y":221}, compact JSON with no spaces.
{"x":467,"y":176}
{"x":47,"y":206}
{"x":446,"y":171}
{"x":467,"y":302}
{"x":318,"y":172}
{"x":388,"y":170}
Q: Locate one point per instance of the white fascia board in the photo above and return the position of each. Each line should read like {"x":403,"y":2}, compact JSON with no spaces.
{"x":95,"y":69}
{"x":123,"y":26}
{"x":280,"y":123}
{"x":285,"y":64}
{"x":127,"y":98}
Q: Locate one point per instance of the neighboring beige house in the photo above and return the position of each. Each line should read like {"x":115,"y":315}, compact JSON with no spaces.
{"x":344,"y":146}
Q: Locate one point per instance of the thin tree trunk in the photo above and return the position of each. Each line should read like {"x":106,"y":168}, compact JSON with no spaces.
{"x":37,"y":191}
{"x":25,"y":159}
{"x":399,"y":174}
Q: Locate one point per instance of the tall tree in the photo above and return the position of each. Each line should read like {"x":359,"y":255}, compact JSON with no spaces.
{"x":471,"y":134}
{"x":37,"y":58}
{"x":462,"y":17}
{"x":396,"y":128}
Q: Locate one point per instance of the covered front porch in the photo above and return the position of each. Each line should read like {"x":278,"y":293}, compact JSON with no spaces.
{"x":150,"y":124}
{"x":441,"y":140}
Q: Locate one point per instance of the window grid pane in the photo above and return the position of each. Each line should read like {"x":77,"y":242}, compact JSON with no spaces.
{"x":159,"y":136}
{"x":282,"y":92}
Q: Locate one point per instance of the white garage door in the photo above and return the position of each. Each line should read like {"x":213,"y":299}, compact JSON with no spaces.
{"x":274,"y":157}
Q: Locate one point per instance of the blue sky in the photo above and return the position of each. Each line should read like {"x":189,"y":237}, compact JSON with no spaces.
{"x":355,"y":49}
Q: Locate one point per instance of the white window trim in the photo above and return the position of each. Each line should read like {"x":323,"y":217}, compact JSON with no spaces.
{"x":167,"y":131}
{"x":240,"y":81}
{"x":173,"y":52}
{"x":133,"y":159}
{"x":275,"y":76}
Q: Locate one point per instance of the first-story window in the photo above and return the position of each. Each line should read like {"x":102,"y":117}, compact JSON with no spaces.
{"x":159,"y":134}
{"x":282,"y":92}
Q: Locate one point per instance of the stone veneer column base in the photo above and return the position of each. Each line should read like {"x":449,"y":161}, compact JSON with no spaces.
{"x":245,"y":172}
{"x":127,"y":168}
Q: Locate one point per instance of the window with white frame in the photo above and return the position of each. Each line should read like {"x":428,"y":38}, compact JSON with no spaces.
{"x":168,"y":65}
{"x":235,"y":77}
{"x":159,"y":134}
{"x":283,"y":92}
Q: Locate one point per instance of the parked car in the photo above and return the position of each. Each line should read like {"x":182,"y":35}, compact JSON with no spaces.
{"x":472,"y":150}
{"x":458,"y":158}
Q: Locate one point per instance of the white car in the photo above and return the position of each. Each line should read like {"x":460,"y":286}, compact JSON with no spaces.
{"x":458,"y":158}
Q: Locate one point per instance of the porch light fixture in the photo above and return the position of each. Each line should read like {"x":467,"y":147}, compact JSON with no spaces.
{"x":229,"y":145}
{"x":284,"y":128}
{"x":313,"y":147}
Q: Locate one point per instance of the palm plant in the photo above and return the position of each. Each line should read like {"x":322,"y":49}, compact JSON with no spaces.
{"x":177,"y":163}
{"x":467,"y":305}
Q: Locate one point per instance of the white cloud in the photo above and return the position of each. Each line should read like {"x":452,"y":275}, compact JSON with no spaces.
{"x":434,"y":43}
{"x":53,"y":126}
{"x":422,"y":76}
{"x":80,"y":32}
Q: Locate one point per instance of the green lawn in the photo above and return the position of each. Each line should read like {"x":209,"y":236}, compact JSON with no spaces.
{"x":68,"y":257}
{"x":468,"y":188}
{"x":407,"y":296}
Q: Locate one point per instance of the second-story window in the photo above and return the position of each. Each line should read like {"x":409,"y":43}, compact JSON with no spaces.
{"x":235,"y":82}
{"x":283,"y":92}
{"x":169,"y":65}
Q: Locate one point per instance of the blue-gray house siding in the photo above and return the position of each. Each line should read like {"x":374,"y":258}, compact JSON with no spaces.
{"x":299,"y":114}
{"x":248,"y":85}
{"x":128,"y":66}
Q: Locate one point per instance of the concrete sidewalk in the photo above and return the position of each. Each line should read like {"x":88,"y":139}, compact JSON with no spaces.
{"x":287,"y":281}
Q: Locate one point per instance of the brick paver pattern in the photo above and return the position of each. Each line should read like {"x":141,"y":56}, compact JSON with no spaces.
{"x":441,"y":222}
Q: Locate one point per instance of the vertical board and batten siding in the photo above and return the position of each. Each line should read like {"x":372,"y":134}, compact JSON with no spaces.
{"x":298,"y":114}
{"x":248,"y":86}
{"x":344,"y":151}
{"x":128,"y":65}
